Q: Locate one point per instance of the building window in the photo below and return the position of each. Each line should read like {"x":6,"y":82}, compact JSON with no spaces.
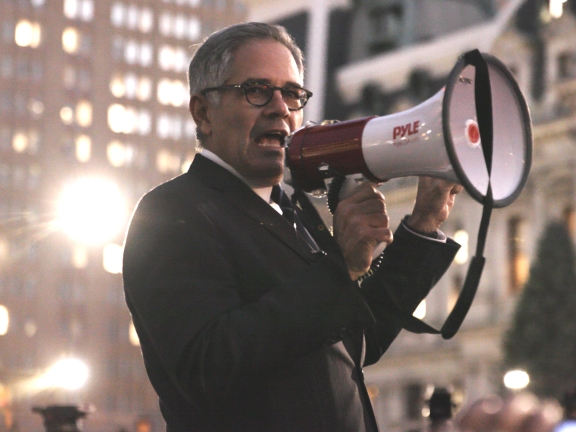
{"x":122,"y":154}
{"x":74,"y":42}
{"x":71,"y":40}
{"x":131,"y":86}
{"x":83,"y":113}
{"x":67,"y":115}
{"x":117,"y":14}
{"x":119,"y":154}
{"x":83,"y":147}
{"x":191,"y":3}
{"x":146,"y":20}
{"x":179,"y":26}
{"x":132,"y":52}
{"x":27,"y":34}
{"x":172,"y":92}
{"x":26,"y":141}
{"x":80,"y":79}
{"x":518,"y":265}
{"x":79,"y":9}
{"x":173,"y":59}
{"x":129,"y":120}
{"x":386,"y":28}
{"x":132,"y":17}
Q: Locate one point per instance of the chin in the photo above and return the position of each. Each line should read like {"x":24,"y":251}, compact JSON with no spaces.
{"x":267,"y":176}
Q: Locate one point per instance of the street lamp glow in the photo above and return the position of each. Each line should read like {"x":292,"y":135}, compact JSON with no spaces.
{"x":91,"y":211}
{"x":516,"y":379}
{"x":67,"y":373}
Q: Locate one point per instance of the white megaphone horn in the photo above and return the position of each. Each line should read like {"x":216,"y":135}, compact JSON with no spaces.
{"x":476,"y":131}
{"x":442,"y":137}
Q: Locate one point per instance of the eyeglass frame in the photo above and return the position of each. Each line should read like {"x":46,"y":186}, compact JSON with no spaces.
{"x":243,"y":86}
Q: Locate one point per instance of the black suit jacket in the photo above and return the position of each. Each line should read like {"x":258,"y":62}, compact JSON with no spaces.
{"x":244,"y":329}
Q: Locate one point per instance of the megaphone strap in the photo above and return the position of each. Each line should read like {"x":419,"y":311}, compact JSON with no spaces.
{"x":483,"y":101}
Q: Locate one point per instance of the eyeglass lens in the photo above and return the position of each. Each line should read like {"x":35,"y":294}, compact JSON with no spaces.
{"x":261,"y":94}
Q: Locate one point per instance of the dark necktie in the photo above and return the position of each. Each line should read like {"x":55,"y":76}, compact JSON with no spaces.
{"x":290,"y":213}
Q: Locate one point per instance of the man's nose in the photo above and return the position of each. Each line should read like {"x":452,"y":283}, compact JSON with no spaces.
{"x":277,"y":105}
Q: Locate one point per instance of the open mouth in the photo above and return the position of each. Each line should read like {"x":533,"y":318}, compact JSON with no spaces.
{"x":272,"y":139}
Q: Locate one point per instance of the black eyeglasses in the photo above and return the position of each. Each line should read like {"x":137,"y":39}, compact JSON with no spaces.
{"x":260,"y":94}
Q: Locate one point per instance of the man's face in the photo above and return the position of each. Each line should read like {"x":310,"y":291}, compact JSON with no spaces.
{"x":247,"y":137}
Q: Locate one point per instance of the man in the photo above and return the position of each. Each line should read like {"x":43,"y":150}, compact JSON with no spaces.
{"x":246,"y":323}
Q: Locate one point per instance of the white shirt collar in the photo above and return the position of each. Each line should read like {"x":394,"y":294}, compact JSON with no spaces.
{"x":263,"y":193}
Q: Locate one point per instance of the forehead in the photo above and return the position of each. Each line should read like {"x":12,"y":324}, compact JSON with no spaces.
{"x":265,"y":60}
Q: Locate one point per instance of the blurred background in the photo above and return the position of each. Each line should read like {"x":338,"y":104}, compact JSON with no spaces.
{"x":93,"y":113}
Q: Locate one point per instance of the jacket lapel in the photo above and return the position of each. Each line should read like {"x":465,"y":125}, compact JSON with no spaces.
{"x":239,"y":195}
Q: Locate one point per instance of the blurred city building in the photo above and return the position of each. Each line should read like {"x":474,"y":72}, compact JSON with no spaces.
{"x":93,"y":113}
{"x":367,"y":57}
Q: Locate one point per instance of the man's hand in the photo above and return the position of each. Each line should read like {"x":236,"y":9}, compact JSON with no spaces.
{"x":434,"y":201}
{"x":519,"y":413}
{"x":361,"y":224}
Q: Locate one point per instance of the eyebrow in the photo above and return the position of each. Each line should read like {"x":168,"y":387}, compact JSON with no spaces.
{"x":266,"y":81}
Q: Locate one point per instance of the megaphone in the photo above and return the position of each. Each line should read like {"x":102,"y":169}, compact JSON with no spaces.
{"x":442,"y":137}
{"x":476,"y":131}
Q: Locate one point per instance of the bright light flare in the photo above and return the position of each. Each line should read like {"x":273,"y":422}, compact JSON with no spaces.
{"x":91,"y":211}
{"x":66,"y":373}
{"x":516,"y":379}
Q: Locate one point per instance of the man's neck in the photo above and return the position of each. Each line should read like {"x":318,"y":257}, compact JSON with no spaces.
{"x":262,"y":192}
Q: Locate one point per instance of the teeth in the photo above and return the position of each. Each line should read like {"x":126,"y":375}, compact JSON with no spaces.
{"x":271,"y":140}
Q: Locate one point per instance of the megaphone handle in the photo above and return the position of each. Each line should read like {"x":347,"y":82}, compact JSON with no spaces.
{"x":334,"y":189}
{"x":338,"y":189}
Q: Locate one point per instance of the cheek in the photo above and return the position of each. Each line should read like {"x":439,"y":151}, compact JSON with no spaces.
{"x":296,"y":120}
{"x":239,"y":124}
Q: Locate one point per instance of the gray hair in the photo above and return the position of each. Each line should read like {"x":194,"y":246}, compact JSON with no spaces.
{"x":212,"y":61}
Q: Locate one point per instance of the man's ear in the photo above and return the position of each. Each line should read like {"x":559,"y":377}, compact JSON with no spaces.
{"x":199,"y":109}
